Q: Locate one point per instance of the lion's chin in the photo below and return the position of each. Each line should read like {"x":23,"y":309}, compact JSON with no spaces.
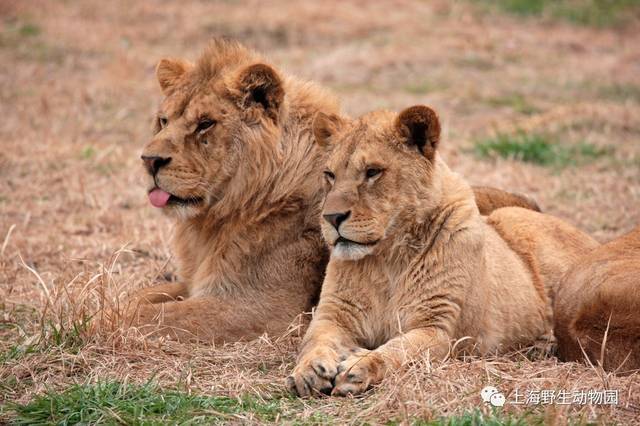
{"x":182,"y":212}
{"x":351,"y":251}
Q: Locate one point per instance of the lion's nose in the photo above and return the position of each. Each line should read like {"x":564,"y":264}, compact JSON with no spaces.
{"x":337,"y":218}
{"x":153,"y":163}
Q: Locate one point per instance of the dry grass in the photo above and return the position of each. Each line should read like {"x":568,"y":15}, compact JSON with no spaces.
{"x":77,"y":92}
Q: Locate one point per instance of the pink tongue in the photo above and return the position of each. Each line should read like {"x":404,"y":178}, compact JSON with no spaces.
{"x":158,"y":197}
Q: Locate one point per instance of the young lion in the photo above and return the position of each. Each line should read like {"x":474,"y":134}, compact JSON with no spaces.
{"x":597,"y":306}
{"x":233,"y":160}
{"x":413,"y":264}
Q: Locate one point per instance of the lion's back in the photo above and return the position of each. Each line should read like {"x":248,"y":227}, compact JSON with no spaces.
{"x":547,"y":243}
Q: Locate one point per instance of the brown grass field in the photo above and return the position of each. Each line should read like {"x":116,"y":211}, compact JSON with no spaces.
{"x":77,"y":95}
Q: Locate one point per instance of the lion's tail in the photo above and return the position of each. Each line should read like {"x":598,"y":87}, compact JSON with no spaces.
{"x":607,"y":324}
{"x":489,"y":199}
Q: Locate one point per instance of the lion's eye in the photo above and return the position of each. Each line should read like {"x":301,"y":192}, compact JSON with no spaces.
{"x":329,"y":176}
{"x":204,"y":125}
{"x":372,"y":172}
{"x":163,"y":122}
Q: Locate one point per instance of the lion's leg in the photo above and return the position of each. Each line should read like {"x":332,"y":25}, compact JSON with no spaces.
{"x":161,"y":293}
{"x":366,"y":368}
{"x":156,"y":294}
{"x":325,"y":345}
{"x":202,"y":318}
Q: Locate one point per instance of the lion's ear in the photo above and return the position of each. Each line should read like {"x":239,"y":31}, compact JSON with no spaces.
{"x":420,"y":127}
{"x":262,"y":87}
{"x":325,"y":126}
{"x":169,"y":71}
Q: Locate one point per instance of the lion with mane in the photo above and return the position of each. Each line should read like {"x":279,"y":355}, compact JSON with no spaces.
{"x":233,"y":160}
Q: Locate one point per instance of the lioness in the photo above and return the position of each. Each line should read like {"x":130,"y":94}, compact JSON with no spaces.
{"x":597,"y":306}
{"x":413,"y":264}
{"x":233,"y":161}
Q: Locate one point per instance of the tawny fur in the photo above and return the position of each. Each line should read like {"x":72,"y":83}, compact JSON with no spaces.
{"x":600,"y":296}
{"x":414,"y":265}
{"x":251,"y":257}
{"x":248,"y":244}
{"x":489,"y":199}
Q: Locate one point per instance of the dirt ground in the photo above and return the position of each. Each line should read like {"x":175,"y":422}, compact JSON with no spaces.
{"x":77,"y":95}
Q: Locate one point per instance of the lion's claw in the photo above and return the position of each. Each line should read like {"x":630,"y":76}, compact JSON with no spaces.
{"x":358,"y":373}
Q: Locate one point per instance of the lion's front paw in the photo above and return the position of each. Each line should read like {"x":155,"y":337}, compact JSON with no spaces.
{"x":314,"y":373}
{"x":358,"y":373}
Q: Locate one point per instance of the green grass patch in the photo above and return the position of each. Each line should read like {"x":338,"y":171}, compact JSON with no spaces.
{"x":596,"y":13}
{"x":476,"y":418}
{"x":67,"y":335}
{"x":114,"y":403}
{"x":12,"y":33}
{"x":117,"y":403}
{"x":17,"y":338}
{"x":29,"y":30}
{"x":475,"y":62}
{"x":88,"y":152}
{"x":620,"y":92}
{"x":418,"y":88}
{"x":16,"y":352}
{"x":521,"y":7}
{"x":538,"y":149}
{"x":516,"y":102}
{"x":26,"y":42}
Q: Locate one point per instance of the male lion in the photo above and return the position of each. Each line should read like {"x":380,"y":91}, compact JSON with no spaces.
{"x":233,"y":160}
{"x":597,"y":306}
{"x":413,"y":264}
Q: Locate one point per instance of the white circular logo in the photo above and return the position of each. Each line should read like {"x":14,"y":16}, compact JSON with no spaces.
{"x":497,"y":399}
{"x":491,"y":395}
